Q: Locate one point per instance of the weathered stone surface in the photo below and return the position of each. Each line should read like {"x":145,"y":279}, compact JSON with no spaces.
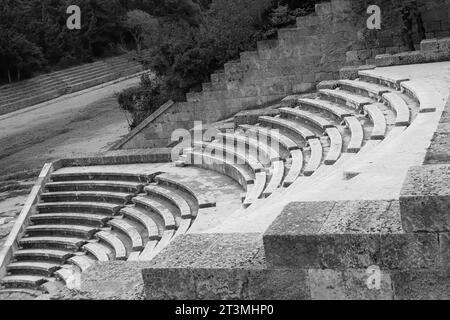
{"x":425,"y":199}
{"x":421,"y":285}
{"x":350,"y":284}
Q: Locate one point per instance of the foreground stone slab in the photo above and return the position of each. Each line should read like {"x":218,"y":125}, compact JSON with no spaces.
{"x":425,"y":199}
{"x":347,"y":235}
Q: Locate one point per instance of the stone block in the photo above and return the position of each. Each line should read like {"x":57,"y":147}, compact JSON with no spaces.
{"x":429,"y":45}
{"x":421,"y":285}
{"x":350,"y":284}
{"x":425,"y":199}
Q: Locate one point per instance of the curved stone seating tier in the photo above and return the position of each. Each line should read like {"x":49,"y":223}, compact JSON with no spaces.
{"x":93,"y":185}
{"x":345,"y":98}
{"x":236,"y":172}
{"x":152,"y":205}
{"x":202,"y":201}
{"x":42,"y":254}
{"x":295,"y":169}
{"x":276,"y":179}
{"x":52,"y":242}
{"x":85,"y":207}
{"x":150,"y":224}
{"x":87,"y":196}
{"x":23,"y":281}
{"x":130,"y":231}
{"x":308,"y":117}
{"x":256,"y":190}
{"x":67,"y":275}
{"x":271,"y":135}
{"x":100,"y":176}
{"x":422,"y":93}
{"x":254,"y":187}
{"x":97,"y":250}
{"x":173,"y":197}
{"x":357,"y":134}
{"x":326,"y":106}
{"x":377,"y":77}
{"x":61,"y":230}
{"x":378,"y":120}
{"x":288,"y":125}
{"x":83,"y":262}
{"x":97,"y":220}
{"x":316,"y":157}
{"x":256,"y":146}
{"x":43,"y":268}
{"x":336,"y":145}
{"x":231,"y":154}
{"x":402,"y":111}
{"x":114,"y":242}
{"x":371,"y":90}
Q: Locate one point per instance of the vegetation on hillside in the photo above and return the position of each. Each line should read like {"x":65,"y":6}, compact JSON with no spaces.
{"x":184,"y":52}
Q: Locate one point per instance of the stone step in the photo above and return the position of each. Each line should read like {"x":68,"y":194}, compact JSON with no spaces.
{"x":313,"y":119}
{"x":83,"y":262}
{"x":316,"y":157}
{"x":396,"y":103}
{"x":101,"y":176}
{"x":70,"y":275}
{"x":19,"y":292}
{"x":378,"y":77}
{"x":138,"y":215}
{"x":84,"y":232}
{"x":115,"y":242}
{"x":42,"y":254}
{"x":23,"y":281}
{"x":345,"y":98}
{"x":172,"y":197}
{"x":423,"y":93}
{"x":202,"y":201}
{"x":98,"y":250}
{"x":147,"y":203}
{"x":87,"y":196}
{"x":84,"y":207}
{"x":71,"y":217}
{"x":230,"y":153}
{"x":260,"y":149}
{"x":324,"y":105}
{"x":357,"y":134}
{"x":378,"y":120}
{"x":33,"y":267}
{"x":289,"y":125}
{"x":51,"y":242}
{"x":217,"y":164}
{"x":371,"y":90}
{"x":130,"y":231}
{"x":295,"y":169}
{"x":256,"y":191}
{"x":272,"y":135}
{"x":336,"y":145}
{"x":93,"y":185}
{"x":276,"y":180}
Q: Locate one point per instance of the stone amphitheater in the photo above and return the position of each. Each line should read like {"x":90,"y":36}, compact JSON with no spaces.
{"x":356,"y":186}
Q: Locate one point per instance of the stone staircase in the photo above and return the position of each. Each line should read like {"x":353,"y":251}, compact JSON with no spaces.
{"x":53,"y":85}
{"x":89,"y":216}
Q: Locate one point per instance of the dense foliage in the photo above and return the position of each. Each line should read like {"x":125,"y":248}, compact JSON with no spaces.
{"x":186,"y":51}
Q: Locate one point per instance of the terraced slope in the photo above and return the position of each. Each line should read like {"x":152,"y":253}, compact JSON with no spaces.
{"x":50,"y":86}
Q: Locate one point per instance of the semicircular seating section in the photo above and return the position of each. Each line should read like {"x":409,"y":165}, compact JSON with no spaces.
{"x":89,"y":216}
{"x":85,"y":216}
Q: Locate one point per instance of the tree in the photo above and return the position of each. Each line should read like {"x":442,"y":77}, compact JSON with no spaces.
{"x":140,"y":24}
{"x":18,"y":54}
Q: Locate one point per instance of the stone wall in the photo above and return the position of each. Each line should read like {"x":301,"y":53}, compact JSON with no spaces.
{"x":335,"y":36}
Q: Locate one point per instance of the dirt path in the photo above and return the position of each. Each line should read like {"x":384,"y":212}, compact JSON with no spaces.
{"x":85,"y":123}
